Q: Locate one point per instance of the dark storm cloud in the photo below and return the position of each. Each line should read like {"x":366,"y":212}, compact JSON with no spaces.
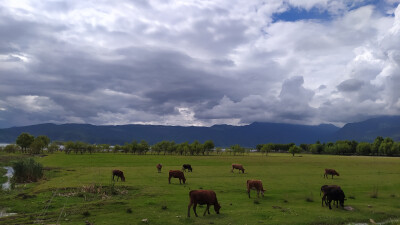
{"x":350,"y":85}
{"x":193,"y":63}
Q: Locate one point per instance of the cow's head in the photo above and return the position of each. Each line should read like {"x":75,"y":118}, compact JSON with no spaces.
{"x":342,"y":198}
{"x":336,"y":173}
{"x":123,"y":178}
{"x":217,"y":207}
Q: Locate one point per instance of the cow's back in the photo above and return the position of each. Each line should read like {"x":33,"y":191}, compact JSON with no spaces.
{"x":203,"y":196}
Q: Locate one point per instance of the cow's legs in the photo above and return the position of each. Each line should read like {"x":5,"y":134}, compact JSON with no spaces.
{"x":258,"y":194}
{"x":329,"y":202}
{"x":248,"y":192}
{"x":169,"y":179}
{"x":323,"y":200}
{"x":207,"y":209}
{"x":190,"y":205}
{"x":180,"y":181}
{"x":332,"y":176}
{"x":194,"y":209}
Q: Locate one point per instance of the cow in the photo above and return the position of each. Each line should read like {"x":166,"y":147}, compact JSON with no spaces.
{"x":330,"y":172}
{"x":325,"y":189}
{"x":336,"y":194}
{"x":257,"y":185}
{"x":203,"y":197}
{"x":237,"y":166}
{"x":119,"y":174}
{"x":177,"y":174}
{"x":187,"y":167}
{"x":159,"y":166}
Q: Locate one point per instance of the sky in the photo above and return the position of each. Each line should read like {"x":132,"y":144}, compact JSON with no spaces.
{"x":198,"y":63}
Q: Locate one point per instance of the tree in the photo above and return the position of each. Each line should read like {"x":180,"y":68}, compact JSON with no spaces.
{"x":24,"y":140}
{"x":363,"y":148}
{"x":195,"y":147}
{"x":143,"y":147}
{"x":375,"y":146}
{"x":44,"y":139}
{"x":11,"y":148}
{"x":386,"y":146}
{"x":294,"y":149}
{"x":39,"y":143}
{"x":266,"y":149}
{"x":52,"y":147}
{"x":316,"y":148}
{"x":208,"y":146}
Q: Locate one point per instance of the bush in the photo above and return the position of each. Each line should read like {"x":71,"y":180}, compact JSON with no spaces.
{"x":27,"y":170}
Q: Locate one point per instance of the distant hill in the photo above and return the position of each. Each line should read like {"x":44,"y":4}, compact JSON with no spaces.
{"x":222,"y":135}
{"x":368,"y":130}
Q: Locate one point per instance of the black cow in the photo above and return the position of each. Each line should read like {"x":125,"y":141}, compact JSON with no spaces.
{"x":336,"y":194}
{"x":187,"y":167}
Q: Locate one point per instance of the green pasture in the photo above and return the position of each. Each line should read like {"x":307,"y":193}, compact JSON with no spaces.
{"x":78,"y":188}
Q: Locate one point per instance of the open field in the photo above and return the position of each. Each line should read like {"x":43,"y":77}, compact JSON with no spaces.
{"x":77,"y":188}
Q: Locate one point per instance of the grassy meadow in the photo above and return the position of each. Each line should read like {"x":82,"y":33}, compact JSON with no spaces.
{"x":78,"y":188}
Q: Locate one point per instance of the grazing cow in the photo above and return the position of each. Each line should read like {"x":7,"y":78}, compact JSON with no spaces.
{"x":330,"y":172}
{"x":237,"y":166}
{"x":336,"y":194}
{"x":177,"y":174}
{"x":257,"y":185}
{"x":203,"y":197}
{"x":119,"y":174}
{"x":187,"y":167}
{"x":325,"y":189}
{"x":159,"y":166}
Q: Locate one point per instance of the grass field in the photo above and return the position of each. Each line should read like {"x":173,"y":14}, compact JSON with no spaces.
{"x":77,"y":188}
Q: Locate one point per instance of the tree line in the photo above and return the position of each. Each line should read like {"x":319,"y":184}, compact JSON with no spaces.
{"x":27,"y":143}
{"x":380,"y":147}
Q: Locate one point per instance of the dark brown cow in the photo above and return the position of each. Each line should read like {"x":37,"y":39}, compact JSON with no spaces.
{"x":159,"y":166}
{"x":237,"y":166}
{"x":203,"y":197}
{"x":119,"y":174}
{"x":325,"y":189}
{"x":330,"y":172}
{"x":177,"y":174}
{"x":256,"y":185}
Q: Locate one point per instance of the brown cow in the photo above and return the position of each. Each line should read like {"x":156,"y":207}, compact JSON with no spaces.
{"x":177,"y":174}
{"x":159,"y":166}
{"x":330,"y":172}
{"x":237,"y":166}
{"x":256,"y":185}
{"x":119,"y":174}
{"x":203,"y":197}
{"x":325,"y":189}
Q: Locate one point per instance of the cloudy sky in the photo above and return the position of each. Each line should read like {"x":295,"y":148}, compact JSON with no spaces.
{"x":198,"y":62}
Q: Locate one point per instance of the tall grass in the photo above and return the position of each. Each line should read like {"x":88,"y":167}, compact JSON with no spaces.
{"x":27,"y":170}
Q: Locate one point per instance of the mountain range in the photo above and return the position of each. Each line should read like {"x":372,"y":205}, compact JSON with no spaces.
{"x":222,"y":135}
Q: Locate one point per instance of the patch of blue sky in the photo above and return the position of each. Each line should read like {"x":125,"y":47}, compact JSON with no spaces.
{"x":316,"y":13}
{"x":296,"y":13}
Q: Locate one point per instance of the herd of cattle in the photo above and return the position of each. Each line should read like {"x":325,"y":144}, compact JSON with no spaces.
{"x":331,"y":192}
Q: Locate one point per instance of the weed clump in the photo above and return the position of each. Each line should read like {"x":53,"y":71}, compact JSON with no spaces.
{"x":129,"y":210}
{"x":27,"y":170}
{"x":86,"y":213}
{"x":256,"y":201}
{"x":374,"y":193}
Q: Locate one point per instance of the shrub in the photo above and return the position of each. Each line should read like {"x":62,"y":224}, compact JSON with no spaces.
{"x":27,"y":170}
